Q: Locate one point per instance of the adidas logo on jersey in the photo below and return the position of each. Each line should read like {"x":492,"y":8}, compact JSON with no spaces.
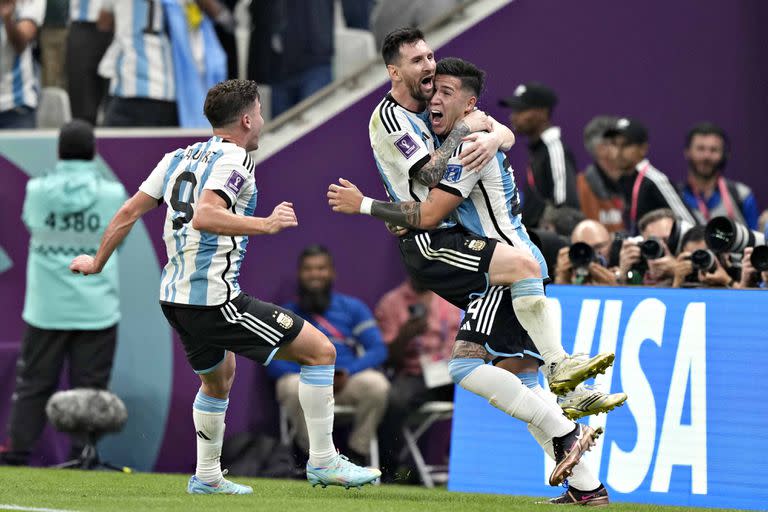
{"x":466,"y":327}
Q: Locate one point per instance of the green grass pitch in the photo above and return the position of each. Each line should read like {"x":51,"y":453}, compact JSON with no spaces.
{"x":29,"y":489}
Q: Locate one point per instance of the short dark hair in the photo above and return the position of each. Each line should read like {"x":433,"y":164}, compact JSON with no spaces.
{"x":228,"y":100}
{"x":706,"y":128}
{"x":472,"y":78}
{"x":695,"y":234}
{"x":314,"y":250}
{"x":653,"y":216}
{"x":77,"y":141}
{"x":390,"y":48}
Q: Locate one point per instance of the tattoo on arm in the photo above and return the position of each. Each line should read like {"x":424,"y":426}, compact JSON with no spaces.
{"x":432,"y":172}
{"x":406,"y":214}
{"x":469,"y":350}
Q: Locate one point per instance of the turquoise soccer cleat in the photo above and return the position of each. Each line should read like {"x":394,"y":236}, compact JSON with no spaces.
{"x":197,"y":486}
{"x":340,"y":471}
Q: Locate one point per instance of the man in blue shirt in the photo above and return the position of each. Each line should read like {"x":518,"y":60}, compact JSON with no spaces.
{"x":360,"y":349}
{"x":68,"y":319}
{"x":706,"y":193}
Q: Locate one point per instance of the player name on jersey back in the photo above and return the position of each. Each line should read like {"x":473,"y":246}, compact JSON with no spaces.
{"x":202,"y":267}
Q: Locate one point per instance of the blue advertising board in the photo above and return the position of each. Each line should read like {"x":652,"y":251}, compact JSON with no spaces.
{"x":695,"y":425}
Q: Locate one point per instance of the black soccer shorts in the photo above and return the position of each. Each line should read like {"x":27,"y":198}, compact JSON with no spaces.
{"x":245,"y":326}
{"x":452,"y":262}
{"x":491,"y":322}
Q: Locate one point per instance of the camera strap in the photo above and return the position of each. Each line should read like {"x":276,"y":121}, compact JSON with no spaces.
{"x":636,"y":194}
{"x":725,"y":197}
{"x":329,"y":328}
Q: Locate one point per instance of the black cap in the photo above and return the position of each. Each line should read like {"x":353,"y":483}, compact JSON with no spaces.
{"x":530,"y":95}
{"x":631,"y":129}
{"x":77,"y":141}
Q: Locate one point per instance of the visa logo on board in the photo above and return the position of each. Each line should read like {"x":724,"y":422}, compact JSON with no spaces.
{"x":678,"y":444}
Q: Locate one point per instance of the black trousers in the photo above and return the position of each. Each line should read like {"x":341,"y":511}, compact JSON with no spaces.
{"x":136,"y":112}
{"x":43,"y":353}
{"x":407,"y":394}
{"x":85,"y":47}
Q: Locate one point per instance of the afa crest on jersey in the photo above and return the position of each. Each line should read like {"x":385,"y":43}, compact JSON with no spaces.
{"x":476,"y":245}
{"x":452,"y":173}
{"x":284,"y":321}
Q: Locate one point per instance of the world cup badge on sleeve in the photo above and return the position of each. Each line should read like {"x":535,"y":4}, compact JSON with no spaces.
{"x":406,"y":145}
{"x":235,"y":182}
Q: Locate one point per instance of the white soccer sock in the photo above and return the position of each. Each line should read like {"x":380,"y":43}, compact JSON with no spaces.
{"x":582,"y":478}
{"x":535,"y":315}
{"x":208,"y":415}
{"x":506,"y":392}
{"x":316,"y":398}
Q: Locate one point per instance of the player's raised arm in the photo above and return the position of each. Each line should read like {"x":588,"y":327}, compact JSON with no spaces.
{"x":347,"y":198}
{"x":118,"y":229}
{"x":213,"y":215}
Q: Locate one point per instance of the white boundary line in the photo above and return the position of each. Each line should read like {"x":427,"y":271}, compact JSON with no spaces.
{"x":4,"y":506}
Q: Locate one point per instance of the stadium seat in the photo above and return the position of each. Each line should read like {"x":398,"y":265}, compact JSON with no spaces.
{"x":339,"y":411}
{"x":415,"y":426}
{"x":354,"y":48}
{"x":53,"y":110}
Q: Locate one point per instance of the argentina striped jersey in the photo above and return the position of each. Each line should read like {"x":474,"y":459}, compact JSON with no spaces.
{"x":84,"y":10}
{"x":139,"y":63}
{"x":202,"y":268}
{"x":18,"y":79}
{"x":491,"y":205}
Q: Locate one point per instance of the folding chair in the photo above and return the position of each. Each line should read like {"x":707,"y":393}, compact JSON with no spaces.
{"x":415,"y":426}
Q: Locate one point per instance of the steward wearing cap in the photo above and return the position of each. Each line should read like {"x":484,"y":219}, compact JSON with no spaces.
{"x":646,"y":187}
{"x":67,"y":319}
{"x":551,"y":176}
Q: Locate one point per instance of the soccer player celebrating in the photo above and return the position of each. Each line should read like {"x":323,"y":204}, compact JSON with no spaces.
{"x":210,"y":191}
{"x":459,"y":264}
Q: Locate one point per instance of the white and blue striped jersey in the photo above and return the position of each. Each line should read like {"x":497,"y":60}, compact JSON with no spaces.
{"x":202,"y":268}
{"x":491,"y":205}
{"x":19,"y":84}
{"x":139,"y":63}
{"x":84,"y":10}
{"x":401,"y":140}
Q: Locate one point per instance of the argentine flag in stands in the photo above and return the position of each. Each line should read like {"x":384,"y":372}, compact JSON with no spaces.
{"x":191,"y":97}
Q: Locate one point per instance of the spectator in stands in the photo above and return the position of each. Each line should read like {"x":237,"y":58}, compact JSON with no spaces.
{"x":85,"y":47}
{"x":53,"y":36}
{"x":584,"y":270}
{"x":707,"y":193}
{"x":68,"y":319}
{"x":419,"y":328}
{"x":139,"y":65}
{"x":291,"y":49}
{"x":225,"y":30}
{"x":551,"y":176}
{"x":602,"y":187}
{"x":387,"y":15}
{"x":561,"y":220}
{"x":349,"y":324}
{"x":634,"y":268}
{"x":650,"y":188}
{"x":18,"y":78}
{"x":357,"y":13}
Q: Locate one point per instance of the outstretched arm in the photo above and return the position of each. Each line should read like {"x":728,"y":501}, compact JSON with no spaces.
{"x":485,"y":145}
{"x":118,"y":229}
{"x":213,"y":216}
{"x":347,"y":198}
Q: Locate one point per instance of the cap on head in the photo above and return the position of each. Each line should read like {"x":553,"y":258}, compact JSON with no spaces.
{"x":77,"y":141}
{"x":530,"y":95}
{"x":631,"y":129}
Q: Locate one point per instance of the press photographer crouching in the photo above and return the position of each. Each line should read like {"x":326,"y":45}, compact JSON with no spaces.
{"x":697,"y":266}
{"x":586,"y":260}
{"x":649,"y":259}
{"x":742,"y":249}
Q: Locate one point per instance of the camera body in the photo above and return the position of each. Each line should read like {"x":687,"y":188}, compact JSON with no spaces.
{"x":704,"y":260}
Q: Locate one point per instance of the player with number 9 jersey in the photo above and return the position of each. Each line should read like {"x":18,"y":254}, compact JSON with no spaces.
{"x":202,"y":267}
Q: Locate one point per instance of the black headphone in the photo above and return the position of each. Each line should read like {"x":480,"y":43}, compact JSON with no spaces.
{"x":707,"y":128}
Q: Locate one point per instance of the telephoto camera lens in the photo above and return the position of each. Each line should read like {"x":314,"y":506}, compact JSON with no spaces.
{"x":759,"y":258}
{"x":581,"y":254}
{"x":724,"y":235}
{"x":652,"y":249}
{"x":704,"y":260}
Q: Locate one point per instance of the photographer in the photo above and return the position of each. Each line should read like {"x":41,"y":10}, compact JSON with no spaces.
{"x":648,"y":260}
{"x":697,"y":266}
{"x":585,"y":261}
{"x":751,"y":277}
